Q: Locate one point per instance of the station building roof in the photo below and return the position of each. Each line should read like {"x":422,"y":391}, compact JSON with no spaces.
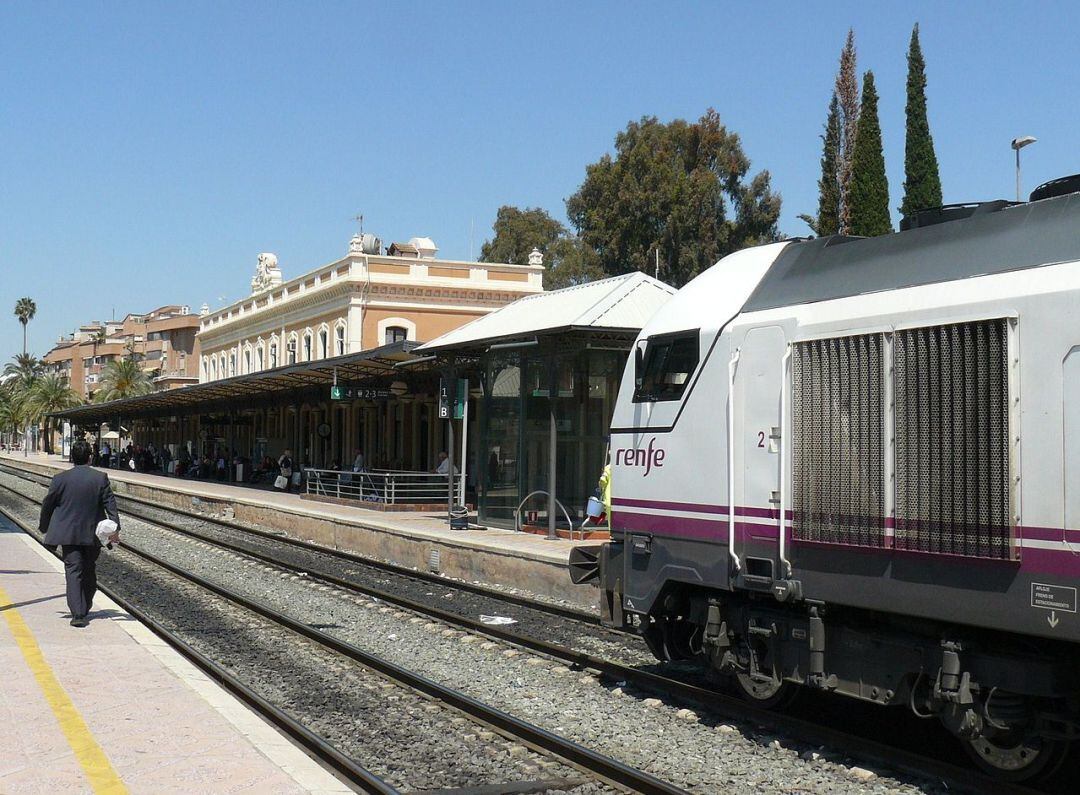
{"x":618,"y":304}
{"x":247,"y":391}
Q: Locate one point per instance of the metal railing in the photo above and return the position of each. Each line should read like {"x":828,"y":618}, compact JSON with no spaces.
{"x":389,"y":486}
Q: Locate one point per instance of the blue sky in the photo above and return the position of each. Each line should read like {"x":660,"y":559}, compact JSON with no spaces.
{"x":148,"y":153}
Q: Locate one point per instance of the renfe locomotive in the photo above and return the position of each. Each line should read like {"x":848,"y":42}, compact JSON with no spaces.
{"x":854,"y":465}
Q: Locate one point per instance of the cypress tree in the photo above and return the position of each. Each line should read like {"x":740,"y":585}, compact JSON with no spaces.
{"x":869,"y":185}
{"x":847,"y":93}
{"x":828,"y":217}
{"x":827,"y":220}
{"x":922,"y":183}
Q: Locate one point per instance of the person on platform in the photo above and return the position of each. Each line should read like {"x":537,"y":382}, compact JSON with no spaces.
{"x":444,"y":464}
{"x":358,"y":461}
{"x":285,"y":467}
{"x":78,"y":499}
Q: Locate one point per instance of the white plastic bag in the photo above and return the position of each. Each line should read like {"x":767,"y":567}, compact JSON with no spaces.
{"x":105,"y":530}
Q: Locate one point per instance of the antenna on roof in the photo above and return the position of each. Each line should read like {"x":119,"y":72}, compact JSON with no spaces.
{"x":657,"y":276}
{"x":360,"y":220}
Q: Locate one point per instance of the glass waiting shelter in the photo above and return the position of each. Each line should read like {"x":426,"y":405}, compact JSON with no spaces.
{"x":545,"y":371}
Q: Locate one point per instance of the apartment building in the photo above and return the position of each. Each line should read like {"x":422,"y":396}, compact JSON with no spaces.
{"x":164,"y":341}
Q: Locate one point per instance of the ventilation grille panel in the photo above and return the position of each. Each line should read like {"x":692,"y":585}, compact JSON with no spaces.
{"x":838,"y":418}
{"x":952,"y":439}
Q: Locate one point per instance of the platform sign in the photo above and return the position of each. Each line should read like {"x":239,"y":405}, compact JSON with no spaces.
{"x":453,"y":405}
{"x":359,"y":393}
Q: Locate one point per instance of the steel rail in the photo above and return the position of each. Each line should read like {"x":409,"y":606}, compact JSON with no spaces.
{"x":733,"y":707}
{"x":883,"y":754}
{"x":329,"y":756}
{"x":482,"y":590}
{"x":605,"y":767}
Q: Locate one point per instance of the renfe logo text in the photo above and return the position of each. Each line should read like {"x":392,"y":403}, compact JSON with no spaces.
{"x":636,"y":457}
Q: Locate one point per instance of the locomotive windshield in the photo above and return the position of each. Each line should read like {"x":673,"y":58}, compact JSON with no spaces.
{"x":669,"y":363}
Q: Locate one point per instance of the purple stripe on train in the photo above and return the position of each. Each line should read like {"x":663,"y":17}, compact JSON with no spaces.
{"x":1046,"y":561}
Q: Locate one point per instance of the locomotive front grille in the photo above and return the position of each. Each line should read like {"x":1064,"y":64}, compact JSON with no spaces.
{"x":951,"y":394}
{"x":838,"y":461}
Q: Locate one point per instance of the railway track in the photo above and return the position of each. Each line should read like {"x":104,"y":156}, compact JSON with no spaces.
{"x":954,"y":776}
{"x":598,"y":768}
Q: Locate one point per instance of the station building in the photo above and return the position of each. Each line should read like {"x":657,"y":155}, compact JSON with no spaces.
{"x":267,"y":362}
{"x":541,"y":372}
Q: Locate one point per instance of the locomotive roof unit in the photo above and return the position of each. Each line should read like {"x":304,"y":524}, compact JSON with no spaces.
{"x":993,"y":237}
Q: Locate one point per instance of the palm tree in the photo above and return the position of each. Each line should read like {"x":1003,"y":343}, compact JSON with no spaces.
{"x":122,"y":378}
{"x":23,"y":369}
{"x":21,"y":373}
{"x":49,"y":395}
{"x":10,"y":420}
{"x":25,"y":309}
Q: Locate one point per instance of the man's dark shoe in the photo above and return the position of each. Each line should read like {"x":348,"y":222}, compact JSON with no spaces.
{"x":80,"y":621}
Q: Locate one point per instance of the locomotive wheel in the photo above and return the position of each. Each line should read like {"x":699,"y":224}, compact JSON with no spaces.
{"x":1011,"y":756}
{"x":769,"y":694}
{"x":669,"y":640}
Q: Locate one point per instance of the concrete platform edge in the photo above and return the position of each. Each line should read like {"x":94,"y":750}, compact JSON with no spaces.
{"x":534,"y":569}
{"x":267,"y":740}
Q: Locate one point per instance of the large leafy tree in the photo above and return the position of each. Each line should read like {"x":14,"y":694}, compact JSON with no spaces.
{"x":25,"y":309}
{"x":681,"y":188}
{"x":122,"y":378}
{"x":869,"y":185}
{"x":922,"y":182}
{"x":518,"y":232}
{"x":827,"y":220}
{"x":50,"y":394}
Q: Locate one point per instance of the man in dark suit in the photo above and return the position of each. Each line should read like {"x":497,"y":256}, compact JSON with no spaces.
{"x":77,"y":500}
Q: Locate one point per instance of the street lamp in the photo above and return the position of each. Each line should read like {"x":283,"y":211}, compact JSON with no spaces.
{"x":1017,"y":145}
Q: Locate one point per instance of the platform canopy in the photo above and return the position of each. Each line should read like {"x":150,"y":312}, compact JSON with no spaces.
{"x":255,"y":389}
{"x":620,"y":305}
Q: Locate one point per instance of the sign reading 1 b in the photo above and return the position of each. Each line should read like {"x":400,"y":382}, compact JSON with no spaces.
{"x":358,"y":393}
{"x":453,"y":405}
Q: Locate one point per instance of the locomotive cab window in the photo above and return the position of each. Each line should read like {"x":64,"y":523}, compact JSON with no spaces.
{"x":665,"y":369}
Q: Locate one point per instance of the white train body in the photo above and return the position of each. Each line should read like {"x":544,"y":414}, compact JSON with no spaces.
{"x":896,"y":422}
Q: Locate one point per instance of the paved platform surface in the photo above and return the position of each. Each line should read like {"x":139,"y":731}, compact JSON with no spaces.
{"x":416,"y":525}
{"x":157,"y":726}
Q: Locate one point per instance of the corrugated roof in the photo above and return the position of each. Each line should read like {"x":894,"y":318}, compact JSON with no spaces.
{"x":620,"y":302}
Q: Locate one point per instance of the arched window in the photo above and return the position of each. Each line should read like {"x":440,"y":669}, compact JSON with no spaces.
{"x":339,"y":341}
{"x":324,"y":344}
{"x":259,"y":357}
{"x":213,"y":369}
{"x":396,"y":334}
{"x":247,"y":360}
{"x":293,"y":342}
{"x":273,"y":355}
{"x":232,"y":365}
{"x":307,"y":347}
{"x":204,"y":375}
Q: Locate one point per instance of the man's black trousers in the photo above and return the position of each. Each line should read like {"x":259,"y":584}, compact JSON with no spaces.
{"x":80,"y":570}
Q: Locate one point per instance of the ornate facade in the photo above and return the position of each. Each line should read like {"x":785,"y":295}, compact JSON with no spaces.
{"x":359,"y":302}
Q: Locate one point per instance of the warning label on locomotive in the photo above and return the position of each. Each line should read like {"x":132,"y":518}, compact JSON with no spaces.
{"x":1053,"y":597}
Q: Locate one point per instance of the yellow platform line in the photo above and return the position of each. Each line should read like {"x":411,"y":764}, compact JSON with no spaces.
{"x":103,"y":778}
